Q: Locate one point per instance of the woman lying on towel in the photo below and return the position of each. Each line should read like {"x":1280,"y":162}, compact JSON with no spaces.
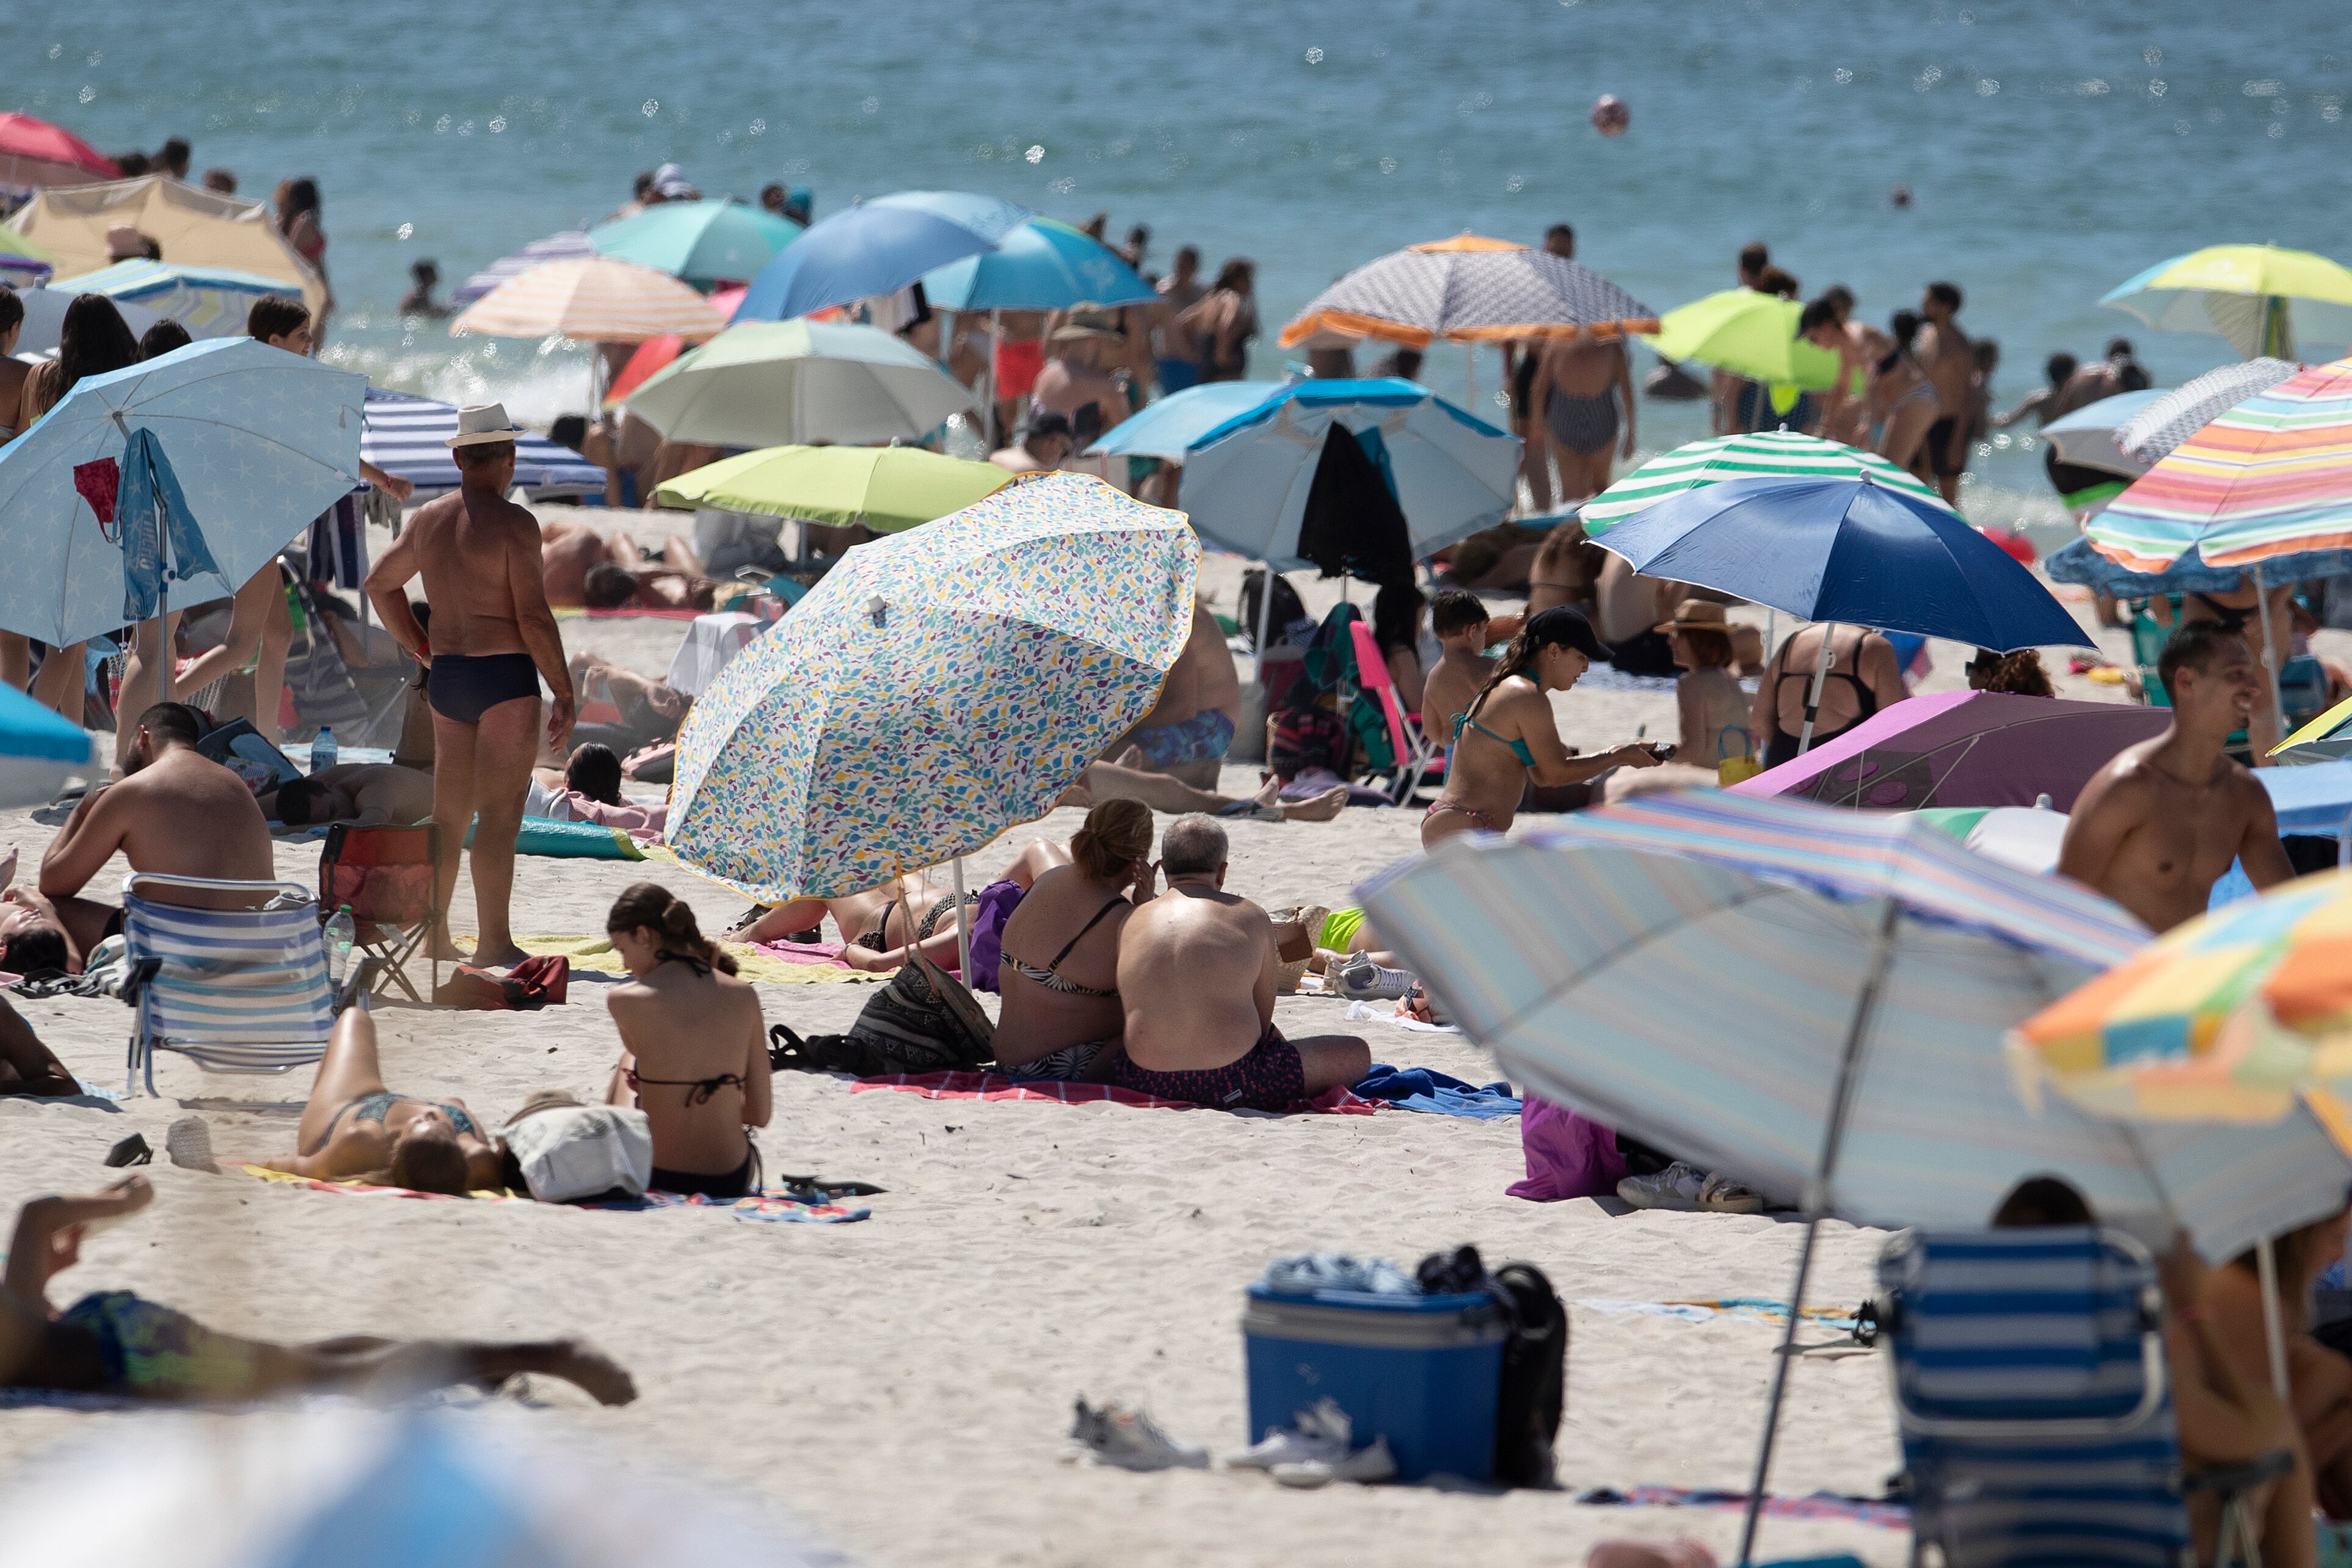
{"x":694,"y":1048}
{"x":112,"y":1342}
{"x":354,"y":1126}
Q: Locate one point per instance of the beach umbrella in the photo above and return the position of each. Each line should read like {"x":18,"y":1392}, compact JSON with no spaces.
{"x":2028,"y":837}
{"x":2080,"y":562}
{"x":1043,"y":265}
{"x":1750,"y":334}
{"x":654,"y":353}
{"x":1963,"y":749}
{"x":2257,"y":295}
{"x":877,"y":248}
{"x":195,"y":227}
{"x":40,"y":751}
{"x":593,"y":299}
{"x":2086,"y":437}
{"x":936,"y":688}
{"x":1167,"y":427}
{"x":1471,"y":289}
{"x":2328,"y":738}
{"x":568,"y":245}
{"x":33,"y":154}
{"x":209,"y":301}
{"x":885,"y":489}
{"x":23,"y":264}
{"x":1764,"y":453}
{"x":2170,"y":418}
{"x":407,"y":436}
{"x":229,"y":448}
{"x":45,"y":317}
{"x":702,"y":242}
{"x":760,"y":383}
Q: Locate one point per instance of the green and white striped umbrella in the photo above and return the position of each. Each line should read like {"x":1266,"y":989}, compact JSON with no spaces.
{"x":1766,"y":454}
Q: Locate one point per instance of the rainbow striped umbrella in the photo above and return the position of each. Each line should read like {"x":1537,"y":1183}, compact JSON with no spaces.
{"x":600,"y":298}
{"x":2271,"y":477}
{"x":1765,"y":453}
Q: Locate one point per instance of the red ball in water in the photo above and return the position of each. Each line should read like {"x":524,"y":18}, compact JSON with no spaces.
{"x":2016,"y":544}
{"x":1610,"y":115}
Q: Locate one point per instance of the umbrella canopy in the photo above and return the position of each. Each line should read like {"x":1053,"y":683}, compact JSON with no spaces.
{"x":760,"y":383}
{"x":1765,"y":454}
{"x":1247,"y":482}
{"x":2080,"y":562}
{"x":1167,"y":427}
{"x":407,"y":436}
{"x":877,"y":248}
{"x":2172,"y":418}
{"x":1471,"y":289}
{"x":2271,"y":476}
{"x":254,"y":441}
{"x":2257,"y":295}
{"x":209,"y":301}
{"x":934,"y":689}
{"x":568,"y":245}
{"x":2023,"y":837}
{"x":702,"y":242}
{"x":33,"y":154}
{"x":2086,"y":437}
{"x":1963,"y":748}
{"x":195,"y":227}
{"x":1847,"y":549}
{"x":1043,"y":264}
{"x":654,"y":353}
{"x":597,"y":299}
{"x":1748,"y":334}
{"x":40,"y":750}
{"x":2328,"y":738}
{"x":45,"y":317}
{"x":23,"y":264}
{"x":885,"y":489}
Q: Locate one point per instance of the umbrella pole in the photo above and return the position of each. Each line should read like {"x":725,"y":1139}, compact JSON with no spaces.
{"x":1265,"y":621}
{"x":2266,"y":1269}
{"x":2270,"y":654}
{"x":1771,"y":625}
{"x":963,"y":928}
{"x":1817,"y":1194}
{"x":1813,"y":692}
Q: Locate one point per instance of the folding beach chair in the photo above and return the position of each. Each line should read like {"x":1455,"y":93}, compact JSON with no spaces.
{"x":386,"y":876}
{"x":2030,"y":1387}
{"x":1413,"y":749}
{"x":235,"y":990}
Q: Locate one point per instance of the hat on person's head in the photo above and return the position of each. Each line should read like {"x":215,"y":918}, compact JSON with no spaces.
{"x":670,"y":181}
{"x":1048,"y":422}
{"x":1563,"y":626}
{"x":482,"y":424}
{"x":1080,"y":325}
{"x":1696,"y":615}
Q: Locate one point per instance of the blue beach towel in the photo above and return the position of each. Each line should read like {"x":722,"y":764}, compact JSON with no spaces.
{"x":1422,"y":1089}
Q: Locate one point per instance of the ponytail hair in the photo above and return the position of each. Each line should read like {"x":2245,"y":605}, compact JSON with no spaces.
{"x":1561,"y":626}
{"x":1117,"y":834}
{"x":650,"y":906}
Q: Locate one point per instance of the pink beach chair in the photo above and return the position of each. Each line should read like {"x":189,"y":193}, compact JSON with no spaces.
{"x":1414,"y":753}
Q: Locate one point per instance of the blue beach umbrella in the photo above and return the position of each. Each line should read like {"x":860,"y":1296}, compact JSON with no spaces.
{"x":1043,"y":264}
{"x":1168,"y":428}
{"x":40,"y":750}
{"x":876,"y":247}
{"x":701,"y":243}
{"x":209,"y":301}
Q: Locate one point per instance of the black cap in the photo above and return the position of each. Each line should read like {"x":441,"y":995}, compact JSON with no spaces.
{"x":1048,"y":421}
{"x":1562,"y":626}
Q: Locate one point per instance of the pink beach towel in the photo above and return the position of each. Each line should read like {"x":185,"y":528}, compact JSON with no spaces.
{"x":997,"y":1086}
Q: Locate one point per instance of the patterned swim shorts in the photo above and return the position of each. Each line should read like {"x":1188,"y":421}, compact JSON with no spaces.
{"x":1267,"y":1078}
{"x":1198,"y":738}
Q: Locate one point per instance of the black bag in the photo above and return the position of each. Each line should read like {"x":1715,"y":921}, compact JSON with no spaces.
{"x":1535,"y":1377}
{"x":922,"y":1021}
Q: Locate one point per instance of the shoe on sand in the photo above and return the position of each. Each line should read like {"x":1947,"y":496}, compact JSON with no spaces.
{"x":1362,"y":980}
{"x":1686,"y":1187}
{"x":1372,"y":1463}
{"x":1322,"y":1433}
{"x":1114,"y":1435}
{"x":188,"y":1143}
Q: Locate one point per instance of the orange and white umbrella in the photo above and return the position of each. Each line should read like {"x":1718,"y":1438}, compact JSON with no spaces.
{"x":594,"y":298}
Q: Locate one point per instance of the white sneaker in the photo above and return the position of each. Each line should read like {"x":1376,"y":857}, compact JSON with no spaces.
{"x":1362,"y":980}
{"x":1371,"y":1463}
{"x":1323,"y":1432}
{"x":1114,"y":1435}
{"x":188,"y":1143}
{"x":1686,"y":1187}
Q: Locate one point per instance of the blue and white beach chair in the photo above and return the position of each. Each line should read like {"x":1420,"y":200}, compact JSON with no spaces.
{"x":235,"y":990}
{"x":2036,"y":1418}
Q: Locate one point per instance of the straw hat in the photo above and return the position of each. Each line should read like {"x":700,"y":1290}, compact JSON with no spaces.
{"x":1698,"y":615}
{"x":483,"y":425}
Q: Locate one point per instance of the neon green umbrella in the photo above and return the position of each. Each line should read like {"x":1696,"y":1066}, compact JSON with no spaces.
{"x":887,"y":488}
{"x":2253,"y":295}
{"x":1748,"y":334}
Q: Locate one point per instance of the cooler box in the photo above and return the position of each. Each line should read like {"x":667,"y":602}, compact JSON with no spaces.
{"x":1421,"y":1371}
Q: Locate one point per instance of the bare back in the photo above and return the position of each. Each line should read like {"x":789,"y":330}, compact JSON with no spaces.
{"x":468,"y":545}
{"x":181,"y":815}
{"x":1582,"y":366}
{"x":1196,"y":976}
{"x":687,"y":1034}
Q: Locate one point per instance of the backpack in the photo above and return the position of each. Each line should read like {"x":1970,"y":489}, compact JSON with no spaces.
{"x":1535,"y":1377}
{"x":568,"y":1154}
{"x":922,"y":1021}
{"x":540,"y":980}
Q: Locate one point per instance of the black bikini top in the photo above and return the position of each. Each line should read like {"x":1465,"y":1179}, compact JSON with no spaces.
{"x":699,"y":1091}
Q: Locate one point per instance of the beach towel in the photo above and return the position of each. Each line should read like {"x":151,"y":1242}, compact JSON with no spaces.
{"x":998,"y":1086}
{"x":1422,"y":1089}
{"x":570,"y":840}
{"x":774,"y":1206}
{"x":628,"y":612}
{"x":1567,"y":1155}
{"x":1816,"y":1505}
{"x":1756,"y":1308}
{"x":765,"y":963}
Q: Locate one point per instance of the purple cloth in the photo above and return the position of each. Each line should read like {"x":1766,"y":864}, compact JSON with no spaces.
{"x":997,"y":902}
{"x":1569,"y":1155}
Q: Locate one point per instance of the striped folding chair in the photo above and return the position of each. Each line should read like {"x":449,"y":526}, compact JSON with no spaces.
{"x":2030,"y":1389}
{"x":235,"y":990}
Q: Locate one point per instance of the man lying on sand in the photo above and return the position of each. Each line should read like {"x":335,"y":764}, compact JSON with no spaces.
{"x":1127,"y":779}
{"x":1196,"y":977}
{"x":366,"y":794}
{"x":112,"y":1342}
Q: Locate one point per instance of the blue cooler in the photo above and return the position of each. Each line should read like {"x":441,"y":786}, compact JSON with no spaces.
{"x":1421,"y":1371}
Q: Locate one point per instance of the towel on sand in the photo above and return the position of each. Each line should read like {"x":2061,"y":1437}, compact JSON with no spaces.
{"x":766,"y":963}
{"x":1425,"y":1089}
{"x":997,"y":1086}
{"x":1817,"y":1505}
{"x":780,"y":1208}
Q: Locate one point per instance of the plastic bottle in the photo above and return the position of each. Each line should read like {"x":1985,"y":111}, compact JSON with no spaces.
{"x":342,"y":932}
{"x":323,"y":751}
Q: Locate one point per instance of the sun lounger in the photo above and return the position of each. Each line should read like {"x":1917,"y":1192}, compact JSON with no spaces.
{"x":235,"y":990}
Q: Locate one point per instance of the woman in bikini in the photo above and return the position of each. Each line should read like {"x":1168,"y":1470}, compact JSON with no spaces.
{"x":877,"y":925}
{"x":694,"y":1048}
{"x":1903,"y":401}
{"x":1060,"y":1012}
{"x":1863,"y":678}
{"x":354,"y":1126}
{"x":1508,"y":732}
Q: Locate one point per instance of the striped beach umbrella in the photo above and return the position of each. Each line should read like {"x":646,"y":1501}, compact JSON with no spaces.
{"x":2270,"y":477}
{"x":2168,"y":419}
{"x":597,"y":299}
{"x":209,"y":301}
{"x":562,"y":247}
{"x":1765,"y":453}
{"x":407,"y":436}
{"x":1471,"y":289}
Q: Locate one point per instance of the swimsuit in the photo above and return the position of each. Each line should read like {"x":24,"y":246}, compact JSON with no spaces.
{"x":1067,"y":1065}
{"x":1340,"y":927}
{"x":157,"y":1353}
{"x":1050,"y":976}
{"x":874,"y":939}
{"x":699,"y":1091}
{"x":373,"y":1107}
{"x":1782,"y":746}
{"x":1585,"y":426}
{"x":1518,"y":747}
{"x":1939,"y":443}
{"x":1266,"y":1077}
{"x":1478,"y":818}
{"x":1175,"y":375}
{"x":744,"y":1178}
{"x":740,"y":1182}
{"x":1200,"y":739}
{"x":1017,"y":362}
{"x":462,"y":687}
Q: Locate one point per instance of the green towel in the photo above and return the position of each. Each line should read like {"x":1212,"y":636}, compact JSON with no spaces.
{"x":571,"y":840}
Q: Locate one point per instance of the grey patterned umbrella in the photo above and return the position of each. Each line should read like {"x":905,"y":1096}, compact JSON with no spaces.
{"x":2189,"y":408}
{"x":1471,"y":289}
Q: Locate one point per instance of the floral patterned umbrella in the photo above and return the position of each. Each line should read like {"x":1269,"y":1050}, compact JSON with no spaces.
{"x":938,"y":687}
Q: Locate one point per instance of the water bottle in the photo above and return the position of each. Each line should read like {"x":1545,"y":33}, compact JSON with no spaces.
{"x":322,"y":752}
{"x":342,"y":932}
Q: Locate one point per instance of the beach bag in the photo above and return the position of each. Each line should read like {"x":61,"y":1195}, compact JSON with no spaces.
{"x":1307,"y":738}
{"x":542,"y":980}
{"x":1730,"y":770}
{"x":1534,"y":1389}
{"x":573,"y":1153}
{"x":922,"y":1021}
{"x":241,"y":749}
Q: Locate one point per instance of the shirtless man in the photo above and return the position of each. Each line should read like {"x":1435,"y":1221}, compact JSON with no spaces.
{"x":367,"y":794}
{"x":1583,"y":387}
{"x":584,"y":569}
{"x":1046,"y":444}
{"x":1196,"y":977}
{"x":2156,"y":827}
{"x":494,"y":641}
{"x":1465,"y":632}
{"x":1950,"y":359}
{"x":1177,"y":365}
{"x":174,"y":813}
{"x":1189,"y":730}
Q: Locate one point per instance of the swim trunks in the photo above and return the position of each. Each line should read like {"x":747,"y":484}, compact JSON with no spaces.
{"x":1939,"y":449}
{"x":1198,"y":738}
{"x":740,"y":1182}
{"x":1018,"y":361}
{"x":462,"y":687}
{"x":1175,"y":375}
{"x":1585,"y":426}
{"x":156,"y":1352}
{"x":1267,"y":1077}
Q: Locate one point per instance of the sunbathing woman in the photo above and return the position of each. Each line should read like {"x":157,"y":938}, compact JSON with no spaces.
{"x":354,"y":1126}
{"x":882,"y":924}
{"x":1060,"y":1010}
{"x":112,"y":1342}
{"x":694,"y":1048}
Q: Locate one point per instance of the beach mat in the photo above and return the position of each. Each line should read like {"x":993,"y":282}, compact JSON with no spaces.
{"x":997,"y":1086}
{"x":773,"y":1207}
{"x":766,"y":963}
{"x":1756,"y":1308}
{"x":634,"y":613}
{"x":1816,"y":1505}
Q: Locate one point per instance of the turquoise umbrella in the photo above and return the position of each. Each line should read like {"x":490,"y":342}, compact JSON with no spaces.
{"x":1043,"y":264}
{"x":702,"y":242}
{"x":39,"y":750}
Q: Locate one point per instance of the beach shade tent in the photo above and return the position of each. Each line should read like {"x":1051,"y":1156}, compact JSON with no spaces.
{"x":1167,"y":427}
{"x":195,"y":227}
{"x":1750,"y":334}
{"x":169,"y":483}
{"x":407,"y":437}
{"x":1963,"y":748}
{"x":40,"y":751}
{"x":761,"y":383}
{"x":592,"y":298}
{"x":1470,"y":289}
{"x":23,"y":264}
{"x":654,"y":353}
{"x":2169,"y":418}
{"x":885,"y":489}
{"x":570,"y":245}
{"x":1763,"y":454}
{"x":45,"y":317}
{"x":1840,"y":986}
{"x":209,"y":301}
{"x":1042,"y":265}
{"x":2259,"y":296}
{"x":706,"y":242}
{"x":877,"y":248}
{"x":934,"y":689}
{"x":33,"y":154}
{"x":362,"y":1489}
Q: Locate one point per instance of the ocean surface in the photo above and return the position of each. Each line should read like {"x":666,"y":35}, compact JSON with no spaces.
{"x":2051,"y":148}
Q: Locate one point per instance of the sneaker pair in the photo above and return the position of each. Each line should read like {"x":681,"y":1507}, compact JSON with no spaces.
{"x":1115,"y":1435}
{"x":1688,"y":1189}
{"x":1317,"y":1450}
{"x":1362,"y":980}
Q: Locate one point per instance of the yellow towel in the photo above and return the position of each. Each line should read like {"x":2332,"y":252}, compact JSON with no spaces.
{"x":595,"y":953}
